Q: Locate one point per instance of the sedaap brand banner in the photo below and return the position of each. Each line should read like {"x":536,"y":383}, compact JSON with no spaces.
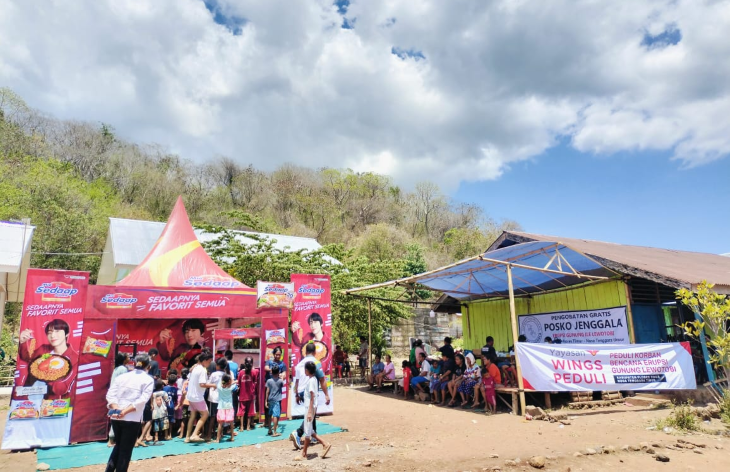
{"x":116,"y":302}
{"x":312,"y":323}
{"x":275,"y":336}
{"x":178,"y":341}
{"x":274,"y":295}
{"x":51,"y":325}
{"x":604,"y":326}
{"x":96,"y":363}
{"x":593,"y":367}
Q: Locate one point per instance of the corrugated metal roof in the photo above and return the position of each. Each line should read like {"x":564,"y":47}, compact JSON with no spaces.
{"x":673,"y":267}
{"x":132,"y":240}
{"x":15,"y":239}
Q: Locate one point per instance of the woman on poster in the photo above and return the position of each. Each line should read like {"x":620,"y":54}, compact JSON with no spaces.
{"x":51,"y":362}
{"x":316,"y":335}
{"x":182,"y":355}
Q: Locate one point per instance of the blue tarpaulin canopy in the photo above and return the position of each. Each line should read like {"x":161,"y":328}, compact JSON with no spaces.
{"x":521,"y":269}
{"x":536,"y":266}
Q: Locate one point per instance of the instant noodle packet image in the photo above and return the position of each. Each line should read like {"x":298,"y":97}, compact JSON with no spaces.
{"x":23,"y":410}
{"x":99,"y":347}
{"x":55,"y":408}
{"x":276,"y":336}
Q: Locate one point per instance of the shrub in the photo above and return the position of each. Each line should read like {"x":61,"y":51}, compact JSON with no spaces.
{"x":725,"y":407}
{"x":682,"y":418}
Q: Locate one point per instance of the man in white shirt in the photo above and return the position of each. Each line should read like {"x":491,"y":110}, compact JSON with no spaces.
{"x":423,"y":374}
{"x":126,"y":399}
{"x":197,"y":383}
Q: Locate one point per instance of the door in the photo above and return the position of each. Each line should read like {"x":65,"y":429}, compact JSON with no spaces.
{"x":649,"y":324}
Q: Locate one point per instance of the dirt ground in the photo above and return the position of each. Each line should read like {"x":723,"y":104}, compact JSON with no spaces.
{"x":389,"y":433}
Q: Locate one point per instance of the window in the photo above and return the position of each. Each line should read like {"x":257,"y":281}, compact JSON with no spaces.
{"x":252,"y":343}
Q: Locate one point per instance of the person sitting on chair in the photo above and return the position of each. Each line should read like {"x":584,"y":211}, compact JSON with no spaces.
{"x":378,"y":368}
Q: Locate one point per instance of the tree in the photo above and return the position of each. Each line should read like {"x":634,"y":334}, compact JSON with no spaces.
{"x":428,"y":206}
{"x":465,"y":242}
{"x":381,"y":242}
{"x":713,"y":311}
{"x":70,"y":215}
{"x":256,"y":258}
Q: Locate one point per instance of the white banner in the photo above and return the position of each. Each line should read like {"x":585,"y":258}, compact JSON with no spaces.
{"x":599,"y":367}
{"x":297,"y":409}
{"x":603,"y":326}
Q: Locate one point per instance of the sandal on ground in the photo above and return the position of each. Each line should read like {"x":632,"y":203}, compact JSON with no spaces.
{"x":326,"y":450}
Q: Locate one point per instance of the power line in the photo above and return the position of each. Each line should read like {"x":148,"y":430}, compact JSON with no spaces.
{"x":69,"y":253}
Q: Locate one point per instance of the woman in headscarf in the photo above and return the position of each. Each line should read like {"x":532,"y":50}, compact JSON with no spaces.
{"x":472,"y":375}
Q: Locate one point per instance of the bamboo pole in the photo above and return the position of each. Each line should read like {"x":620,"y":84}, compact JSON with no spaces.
{"x":370,"y":335}
{"x":548,"y":271}
{"x":513,"y":316}
{"x":496,"y":262}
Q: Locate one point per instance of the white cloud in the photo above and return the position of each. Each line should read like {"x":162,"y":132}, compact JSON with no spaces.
{"x":488,"y":83}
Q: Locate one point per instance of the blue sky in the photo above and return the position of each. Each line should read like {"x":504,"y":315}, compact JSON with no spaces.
{"x":472,"y":95}
{"x":641,"y":198}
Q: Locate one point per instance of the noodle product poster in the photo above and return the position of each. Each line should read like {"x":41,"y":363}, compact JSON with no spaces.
{"x":178,"y":341}
{"x":312,"y":318}
{"x":51,"y":325}
{"x":274,"y":295}
{"x":274,"y":336}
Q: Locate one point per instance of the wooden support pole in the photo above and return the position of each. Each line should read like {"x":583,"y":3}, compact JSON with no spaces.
{"x":513,"y":317}
{"x":629,"y":314}
{"x":370,"y":335}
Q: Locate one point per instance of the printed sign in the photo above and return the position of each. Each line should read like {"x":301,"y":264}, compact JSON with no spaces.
{"x":178,"y":341}
{"x":593,"y":367}
{"x":142,"y":303}
{"x":95,"y":374}
{"x":50,"y":334}
{"x":276,"y":336}
{"x":604,"y":326}
{"x":312,"y":323}
{"x":275,"y":331}
{"x":274,"y":295}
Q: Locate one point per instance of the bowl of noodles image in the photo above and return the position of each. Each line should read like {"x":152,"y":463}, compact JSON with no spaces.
{"x":50,"y":367}
{"x":320,"y":352}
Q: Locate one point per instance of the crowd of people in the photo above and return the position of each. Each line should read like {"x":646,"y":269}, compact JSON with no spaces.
{"x":194,"y":404}
{"x":451,"y":378}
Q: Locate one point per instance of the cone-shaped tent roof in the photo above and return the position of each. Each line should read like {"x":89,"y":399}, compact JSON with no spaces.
{"x":178,"y":260}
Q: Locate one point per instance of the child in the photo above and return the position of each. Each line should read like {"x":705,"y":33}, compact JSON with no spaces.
{"x":182,"y":408}
{"x":225,"y":405}
{"x":171,"y":390}
{"x":274,"y":387}
{"x":221,"y":368}
{"x":435,"y":373}
{"x":310,"y":406}
{"x":246,"y":394}
{"x":486,"y":388}
{"x":159,"y":403}
{"x":405,"y":382}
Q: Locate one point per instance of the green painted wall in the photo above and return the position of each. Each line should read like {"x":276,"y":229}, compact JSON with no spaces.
{"x":491,"y":317}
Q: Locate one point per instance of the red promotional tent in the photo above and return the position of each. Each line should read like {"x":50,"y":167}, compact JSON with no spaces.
{"x":172,"y":301}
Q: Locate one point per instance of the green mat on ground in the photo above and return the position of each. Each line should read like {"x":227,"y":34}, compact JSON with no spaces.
{"x":79,"y":455}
